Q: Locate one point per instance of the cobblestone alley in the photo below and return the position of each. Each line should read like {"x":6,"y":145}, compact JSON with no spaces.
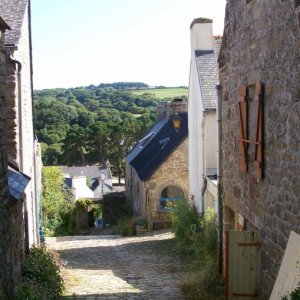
{"x":113,"y":267}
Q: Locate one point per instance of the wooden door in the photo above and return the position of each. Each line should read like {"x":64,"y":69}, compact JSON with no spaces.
{"x":242,"y":265}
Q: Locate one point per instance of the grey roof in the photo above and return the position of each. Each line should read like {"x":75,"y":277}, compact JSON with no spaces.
{"x":3,"y":25}
{"x":156,"y":146}
{"x":208,"y":72}
{"x":12,"y":12}
{"x":17,"y":182}
{"x":92,"y":172}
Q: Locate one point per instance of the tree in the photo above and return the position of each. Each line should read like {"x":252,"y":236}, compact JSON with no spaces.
{"x":75,"y":145}
{"x":56,"y":201}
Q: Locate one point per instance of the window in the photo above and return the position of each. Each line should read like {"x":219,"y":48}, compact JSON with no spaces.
{"x":168,"y":196}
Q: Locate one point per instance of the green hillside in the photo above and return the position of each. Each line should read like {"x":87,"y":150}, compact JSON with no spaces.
{"x":164,"y":92}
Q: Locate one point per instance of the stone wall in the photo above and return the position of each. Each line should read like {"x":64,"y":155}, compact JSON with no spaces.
{"x":261,"y":43}
{"x":11,"y":218}
{"x":20,"y":136}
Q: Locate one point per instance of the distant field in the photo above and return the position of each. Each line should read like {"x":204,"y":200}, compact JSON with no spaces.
{"x":164,"y":93}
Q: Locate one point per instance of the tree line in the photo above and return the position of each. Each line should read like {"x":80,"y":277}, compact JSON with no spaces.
{"x":88,"y":125}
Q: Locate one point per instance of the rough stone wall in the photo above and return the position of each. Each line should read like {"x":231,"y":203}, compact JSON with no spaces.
{"x":11,"y":217}
{"x":173,"y":172}
{"x":261,"y":43}
{"x":20,"y":123}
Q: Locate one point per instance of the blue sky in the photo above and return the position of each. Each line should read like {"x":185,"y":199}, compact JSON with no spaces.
{"x":83,"y":42}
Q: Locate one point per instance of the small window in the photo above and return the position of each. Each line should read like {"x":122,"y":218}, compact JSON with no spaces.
{"x":168,"y":196}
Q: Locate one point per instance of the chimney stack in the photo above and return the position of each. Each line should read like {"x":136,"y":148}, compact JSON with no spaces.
{"x":201,"y":34}
{"x":171,"y":107}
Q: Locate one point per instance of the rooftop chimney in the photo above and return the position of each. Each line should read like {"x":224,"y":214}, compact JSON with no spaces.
{"x":171,"y":107}
{"x":201,"y":34}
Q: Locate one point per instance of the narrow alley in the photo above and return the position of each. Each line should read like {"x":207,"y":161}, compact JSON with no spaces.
{"x":114,"y":267}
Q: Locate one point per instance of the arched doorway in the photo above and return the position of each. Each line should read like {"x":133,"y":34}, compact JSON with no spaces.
{"x":168,"y":195}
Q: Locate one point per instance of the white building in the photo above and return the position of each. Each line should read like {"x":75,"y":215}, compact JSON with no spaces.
{"x":202,"y":99}
{"x":88,"y":181}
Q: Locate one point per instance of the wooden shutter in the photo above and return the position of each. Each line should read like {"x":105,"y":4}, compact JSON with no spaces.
{"x":243,"y":128}
{"x":243,"y":140}
{"x":258,"y":160}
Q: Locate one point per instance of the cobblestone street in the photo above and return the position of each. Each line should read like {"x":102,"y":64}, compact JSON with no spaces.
{"x":113,"y":267}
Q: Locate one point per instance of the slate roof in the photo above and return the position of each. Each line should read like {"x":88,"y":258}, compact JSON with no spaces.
{"x":92,"y":172}
{"x":17,"y":182}
{"x":208,"y":72}
{"x":12,"y":12}
{"x":156,"y":146}
{"x":3,"y":25}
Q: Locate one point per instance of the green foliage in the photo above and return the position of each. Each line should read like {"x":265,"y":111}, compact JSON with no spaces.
{"x":41,"y":278}
{"x":207,"y":284}
{"x":163,"y":93}
{"x":84,"y":202}
{"x":88,"y":125}
{"x":57,"y":204}
{"x":197,"y":237}
{"x":126,"y":226}
{"x":186,"y":226}
{"x":97,"y":212}
{"x":295,"y":295}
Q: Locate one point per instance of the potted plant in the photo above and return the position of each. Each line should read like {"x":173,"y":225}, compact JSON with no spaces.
{"x":140,"y":226}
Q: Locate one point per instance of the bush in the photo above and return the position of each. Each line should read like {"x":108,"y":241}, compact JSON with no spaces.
{"x":197,"y":237}
{"x":206,"y":285}
{"x":41,"y":277}
{"x":125,"y":227}
{"x":186,"y":226}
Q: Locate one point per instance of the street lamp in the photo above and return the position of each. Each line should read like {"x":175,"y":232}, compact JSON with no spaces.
{"x":176,"y":121}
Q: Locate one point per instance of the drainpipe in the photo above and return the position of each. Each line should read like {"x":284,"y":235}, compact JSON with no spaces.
{"x":203,"y":164}
{"x":219,"y":186}
{"x":10,"y":49}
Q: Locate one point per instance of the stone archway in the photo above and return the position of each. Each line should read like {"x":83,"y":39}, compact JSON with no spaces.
{"x":168,"y":196}
{"x":160,"y":218}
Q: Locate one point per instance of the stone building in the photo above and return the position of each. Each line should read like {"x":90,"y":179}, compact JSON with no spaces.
{"x":157,"y":167}
{"x":259,"y":65}
{"x":204,"y":76}
{"x":23,"y":151}
{"x":20,"y":158}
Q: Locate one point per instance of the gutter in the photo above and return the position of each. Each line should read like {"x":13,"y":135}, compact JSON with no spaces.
{"x":219,"y":184}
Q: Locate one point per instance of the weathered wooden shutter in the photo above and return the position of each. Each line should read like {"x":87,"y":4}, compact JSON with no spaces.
{"x":243,"y":140}
{"x":258,"y":160}
{"x":242,"y":263}
{"x":243,"y":128}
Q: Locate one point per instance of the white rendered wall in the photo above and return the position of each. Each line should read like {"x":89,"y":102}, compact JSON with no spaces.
{"x":195,"y":116}
{"x":200,"y":132}
{"x":211,"y":140}
{"x":80,"y":189}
